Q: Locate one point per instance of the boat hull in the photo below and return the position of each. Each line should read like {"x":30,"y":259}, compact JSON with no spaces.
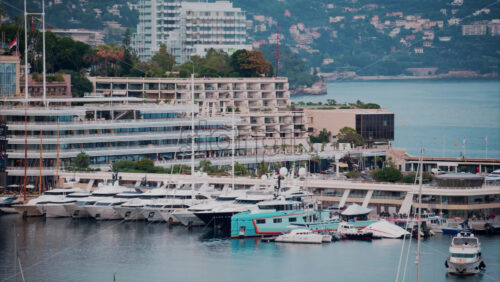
{"x":168,"y":216}
{"x":103,"y":213}
{"x":54,"y":210}
{"x":7,"y":210}
{"x":454,"y":231}
{"x":152,"y":214}
{"x":130,"y":213}
{"x":188,"y":218}
{"x":464,"y":268}
{"x":27,"y":210}
{"x":76,"y":211}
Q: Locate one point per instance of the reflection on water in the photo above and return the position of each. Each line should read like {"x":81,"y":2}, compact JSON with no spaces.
{"x":85,"y":250}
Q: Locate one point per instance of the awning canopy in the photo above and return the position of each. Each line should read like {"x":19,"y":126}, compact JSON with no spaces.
{"x":356,"y":209}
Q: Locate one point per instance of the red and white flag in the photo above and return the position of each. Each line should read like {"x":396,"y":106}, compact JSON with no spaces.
{"x":485,"y":140}
{"x":13,"y":43}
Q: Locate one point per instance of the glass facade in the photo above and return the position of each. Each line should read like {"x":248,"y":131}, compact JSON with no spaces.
{"x":375,"y":127}
{"x":7,"y":79}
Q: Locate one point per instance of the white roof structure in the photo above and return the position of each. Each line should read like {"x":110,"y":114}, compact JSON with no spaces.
{"x":356,"y":209}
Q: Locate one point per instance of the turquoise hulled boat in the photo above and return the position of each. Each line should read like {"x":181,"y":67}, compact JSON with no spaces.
{"x":264,"y":224}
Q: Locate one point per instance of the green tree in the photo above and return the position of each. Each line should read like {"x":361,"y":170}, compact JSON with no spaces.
{"x":350,"y":135}
{"x":79,"y":83}
{"x":261,"y":169}
{"x":387,"y":174}
{"x":206,"y":166}
{"x":324,"y":136}
{"x":331,"y":102}
{"x":82,"y":161}
{"x":240,"y":170}
{"x":145,"y":164}
{"x":162,"y":61}
{"x":412,"y":178}
{"x":250,"y":63}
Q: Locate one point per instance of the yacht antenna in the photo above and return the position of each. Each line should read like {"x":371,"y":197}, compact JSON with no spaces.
{"x":419,"y":212}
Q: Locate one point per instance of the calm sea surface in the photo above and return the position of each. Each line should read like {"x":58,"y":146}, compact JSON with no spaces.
{"x":85,"y":250}
{"x":432,"y":114}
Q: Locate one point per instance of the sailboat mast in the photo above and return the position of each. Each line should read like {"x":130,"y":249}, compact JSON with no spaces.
{"x":25,"y":148}
{"x":233,"y":145}
{"x":40,"y":165}
{"x":57,"y":158}
{"x":419,"y":212}
{"x":192,"y":136}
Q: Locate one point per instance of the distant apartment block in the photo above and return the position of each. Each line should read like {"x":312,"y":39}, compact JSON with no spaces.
{"x":59,"y":87}
{"x":90,"y":37}
{"x":474,"y":29}
{"x":263,"y":103}
{"x":189,"y":28}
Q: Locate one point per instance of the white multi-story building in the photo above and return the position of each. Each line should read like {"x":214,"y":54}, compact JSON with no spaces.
{"x":189,"y":28}
{"x":263,"y":103}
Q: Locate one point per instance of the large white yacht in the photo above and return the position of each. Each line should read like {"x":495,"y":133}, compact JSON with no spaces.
{"x":133,"y":209}
{"x":465,"y":255}
{"x":56,"y":207}
{"x":78,"y":209}
{"x":187,"y":216}
{"x":31,"y":208}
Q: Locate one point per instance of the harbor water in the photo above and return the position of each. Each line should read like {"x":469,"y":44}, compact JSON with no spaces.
{"x":435,"y":114}
{"x":65,"y":249}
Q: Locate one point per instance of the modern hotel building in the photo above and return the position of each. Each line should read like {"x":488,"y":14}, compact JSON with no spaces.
{"x":262,"y":103}
{"x":108,"y":130}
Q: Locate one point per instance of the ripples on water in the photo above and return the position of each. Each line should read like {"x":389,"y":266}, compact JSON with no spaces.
{"x":85,"y":250}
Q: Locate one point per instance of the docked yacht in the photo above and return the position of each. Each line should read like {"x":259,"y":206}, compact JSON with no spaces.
{"x":31,"y":208}
{"x":188,"y":218}
{"x":105,"y":209}
{"x":103,"y":191}
{"x":303,"y":236}
{"x":220,"y":216}
{"x":56,"y":207}
{"x":465,"y":255}
{"x":6,"y":204}
{"x":133,"y":209}
{"x":386,"y":229}
{"x":347,"y":230}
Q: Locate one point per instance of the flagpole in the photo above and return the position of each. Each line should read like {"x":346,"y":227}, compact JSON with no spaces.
{"x":486,"y":146}
{"x":25,"y":52}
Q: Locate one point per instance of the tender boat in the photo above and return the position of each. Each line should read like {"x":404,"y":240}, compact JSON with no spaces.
{"x":302,"y":236}
{"x":31,"y":208}
{"x":465,"y":255}
{"x":349,"y":231}
{"x":454,"y":228}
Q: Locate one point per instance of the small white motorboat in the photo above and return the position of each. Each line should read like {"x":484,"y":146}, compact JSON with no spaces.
{"x":386,"y":229}
{"x":465,"y":255}
{"x":302,"y":236}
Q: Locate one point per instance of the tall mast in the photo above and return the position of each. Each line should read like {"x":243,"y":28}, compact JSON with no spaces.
{"x":44,"y":57}
{"x":41,"y":162}
{"x":277,"y":49}
{"x":192,"y":135}
{"x":232,"y":144}
{"x":26,"y":99}
{"x":419,"y":212}
{"x":57,"y":158}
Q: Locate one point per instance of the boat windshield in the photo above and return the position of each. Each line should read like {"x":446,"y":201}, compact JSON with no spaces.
{"x":83,"y":203}
{"x":224,"y":199}
{"x":464,"y":241}
{"x":458,"y":255}
{"x":279,"y":207}
{"x":102,"y":204}
{"x":246,"y":202}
